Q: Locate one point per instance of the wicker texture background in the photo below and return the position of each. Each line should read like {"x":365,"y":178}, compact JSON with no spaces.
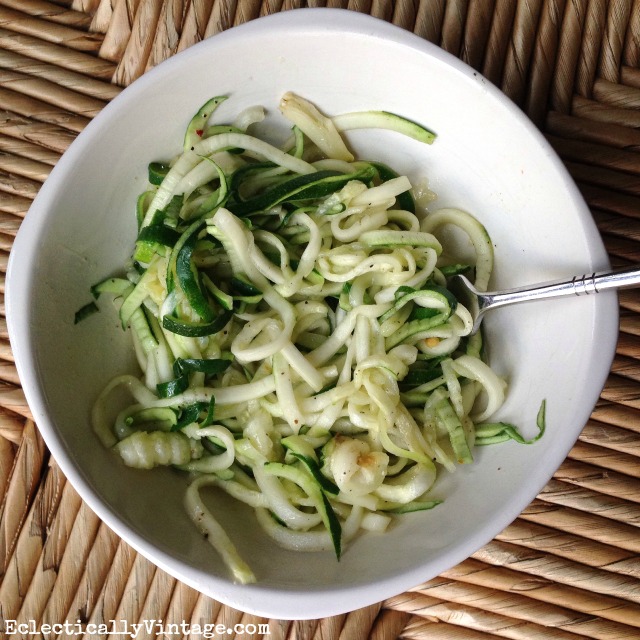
{"x":568,"y":568}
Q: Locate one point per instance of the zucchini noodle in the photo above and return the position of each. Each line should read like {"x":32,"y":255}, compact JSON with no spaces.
{"x":298,"y":346}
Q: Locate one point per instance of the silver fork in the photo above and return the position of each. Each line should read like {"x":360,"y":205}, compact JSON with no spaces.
{"x":479,"y":302}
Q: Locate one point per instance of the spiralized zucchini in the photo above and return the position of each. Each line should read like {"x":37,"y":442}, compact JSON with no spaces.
{"x":298,"y":344}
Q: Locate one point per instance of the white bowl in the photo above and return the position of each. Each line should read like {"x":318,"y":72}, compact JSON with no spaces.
{"x":488,"y":159}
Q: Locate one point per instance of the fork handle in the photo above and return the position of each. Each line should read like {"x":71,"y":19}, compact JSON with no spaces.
{"x":603,"y":280}
{"x":578,"y":285}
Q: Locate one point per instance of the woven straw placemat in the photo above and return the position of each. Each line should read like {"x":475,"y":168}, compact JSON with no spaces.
{"x":567,"y":568}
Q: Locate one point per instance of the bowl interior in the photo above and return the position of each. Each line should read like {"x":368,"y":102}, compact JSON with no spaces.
{"x":487,"y":159}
